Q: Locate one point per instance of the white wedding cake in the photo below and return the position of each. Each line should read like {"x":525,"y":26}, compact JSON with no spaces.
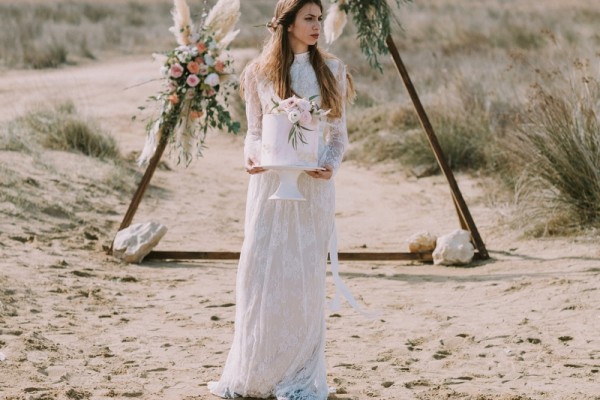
{"x":277,"y":150}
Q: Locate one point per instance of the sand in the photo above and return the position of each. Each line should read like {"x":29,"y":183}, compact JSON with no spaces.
{"x":77,"y":324}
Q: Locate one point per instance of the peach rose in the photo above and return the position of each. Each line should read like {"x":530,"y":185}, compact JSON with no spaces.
{"x":220,"y":66}
{"x":196,"y":114}
{"x":193,"y":67}
{"x":201,"y":47}
{"x":173,"y":98}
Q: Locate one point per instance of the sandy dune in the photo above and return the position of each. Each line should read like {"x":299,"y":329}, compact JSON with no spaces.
{"x":76,"y":324}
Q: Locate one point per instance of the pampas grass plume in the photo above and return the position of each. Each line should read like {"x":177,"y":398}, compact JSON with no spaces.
{"x":222,"y":19}
{"x":182,"y":27}
{"x":334,"y":23}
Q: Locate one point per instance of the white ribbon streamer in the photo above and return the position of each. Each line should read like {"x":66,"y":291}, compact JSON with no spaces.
{"x":340,"y":287}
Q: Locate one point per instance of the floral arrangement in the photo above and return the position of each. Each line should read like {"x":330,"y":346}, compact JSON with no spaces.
{"x":300,"y":113}
{"x":197,"y":81}
{"x":372,"y":20}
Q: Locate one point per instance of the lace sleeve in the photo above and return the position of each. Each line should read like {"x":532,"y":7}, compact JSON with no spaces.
{"x":252,"y":141}
{"x":337,"y":137}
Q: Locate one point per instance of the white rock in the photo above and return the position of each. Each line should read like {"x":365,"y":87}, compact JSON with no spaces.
{"x":134,"y":243}
{"x":454,"y":248}
{"x":421,"y":242}
{"x":2,"y":357}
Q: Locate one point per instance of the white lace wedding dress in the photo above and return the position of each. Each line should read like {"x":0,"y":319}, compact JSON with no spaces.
{"x":278,"y":347}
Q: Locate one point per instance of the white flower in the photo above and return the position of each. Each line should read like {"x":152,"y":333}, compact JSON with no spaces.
{"x":164,"y":70}
{"x":182,"y":57}
{"x":203,"y":69}
{"x":209,"y":60}
{"x":294,"y":116}
{"x":212,"y":79}
{"x":303,"y":105}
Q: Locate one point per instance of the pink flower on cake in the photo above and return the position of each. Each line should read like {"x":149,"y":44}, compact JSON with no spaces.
{"x":176,"y":71}
{"x":305,"y":117}
{"x":303,"y":105}
{"x":192,"y":81}
{"x":288,"y":104}
{"x":301,"y":113}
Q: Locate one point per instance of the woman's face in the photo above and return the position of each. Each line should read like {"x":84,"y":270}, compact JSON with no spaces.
{"x":306,"y":28}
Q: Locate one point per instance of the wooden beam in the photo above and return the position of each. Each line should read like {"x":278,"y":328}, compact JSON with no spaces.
{"x":464,"y":215}
{"x":144,"y":183}
{"x":343,"y":256}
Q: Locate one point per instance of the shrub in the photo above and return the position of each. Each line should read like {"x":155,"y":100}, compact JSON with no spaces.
{"x":52,"y":56}
{"x":558,"y":148}
{"x":62,"y":129}
{"x":467,"y":130}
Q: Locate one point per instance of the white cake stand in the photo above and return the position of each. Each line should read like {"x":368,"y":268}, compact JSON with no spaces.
{"x":288,"y":181}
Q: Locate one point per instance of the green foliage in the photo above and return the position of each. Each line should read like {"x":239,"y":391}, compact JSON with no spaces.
{"x":372,"y":20}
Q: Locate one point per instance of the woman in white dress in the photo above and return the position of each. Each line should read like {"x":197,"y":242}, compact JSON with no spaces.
{"x":278,"y":347}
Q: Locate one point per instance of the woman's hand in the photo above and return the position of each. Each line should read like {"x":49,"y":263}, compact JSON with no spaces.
{"x":318,"y":174}
{"x":251,"y":167}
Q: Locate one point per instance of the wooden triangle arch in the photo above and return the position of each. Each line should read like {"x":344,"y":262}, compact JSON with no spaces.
{"x":464,"y":216}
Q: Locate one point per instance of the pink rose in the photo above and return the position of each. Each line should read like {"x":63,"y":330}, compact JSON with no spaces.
{"x":288,"y":104}
{"x":192,"y":80}
{"x":305,"y":118}
{"x":176,"y":70}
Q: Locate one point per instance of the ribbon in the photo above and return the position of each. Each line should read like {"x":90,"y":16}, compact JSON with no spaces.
{"x":341,"y":290}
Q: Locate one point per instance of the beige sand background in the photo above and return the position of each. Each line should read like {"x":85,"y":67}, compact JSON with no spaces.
{"x":77,"y":324}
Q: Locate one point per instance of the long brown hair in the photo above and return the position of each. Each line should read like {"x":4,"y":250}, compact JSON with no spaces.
{"x":277,"y":58}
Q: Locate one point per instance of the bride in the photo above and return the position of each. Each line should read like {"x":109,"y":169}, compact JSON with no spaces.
{"x":278,"y":347}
